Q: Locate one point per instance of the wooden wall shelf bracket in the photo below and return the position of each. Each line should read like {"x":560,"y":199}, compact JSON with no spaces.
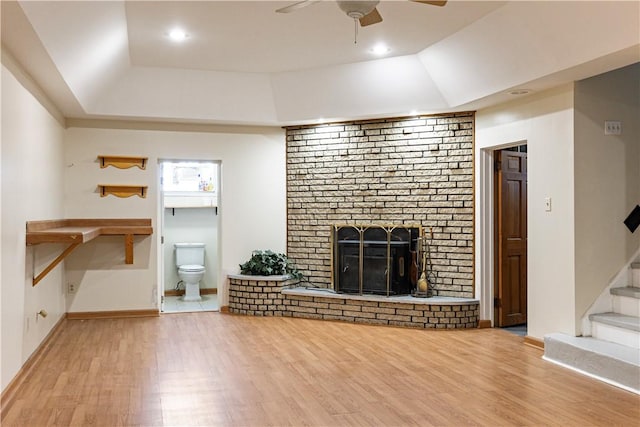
{"x":58,"y":260}
{"x":123,"y":162}
{"x":123,"y":190}
{"x":78,"y":231}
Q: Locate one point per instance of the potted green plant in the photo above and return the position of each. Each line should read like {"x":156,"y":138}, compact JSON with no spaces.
{"x":269,"y":263}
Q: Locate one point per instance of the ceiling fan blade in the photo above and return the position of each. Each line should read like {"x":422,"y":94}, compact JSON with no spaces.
{"x":372,"y":18}
{"x":295,"y":6}
{"x":432,"y":3}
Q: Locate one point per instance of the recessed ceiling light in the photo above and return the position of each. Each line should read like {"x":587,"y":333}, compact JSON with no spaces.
{"x":380,"y":49}
{"x":178,"y":35}
{"x":520,"y":92}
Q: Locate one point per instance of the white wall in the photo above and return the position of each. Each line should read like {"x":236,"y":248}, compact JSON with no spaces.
{"x":252,"y":213}
{"x":544,"y":122}
{"x":32,"y":189}
{"x":191,"y":225}
{"x":2,"y":380}
{"x":607,"y":179}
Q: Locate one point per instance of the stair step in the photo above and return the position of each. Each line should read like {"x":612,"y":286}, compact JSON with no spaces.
{"x":618,"y":320}
{"x":626,"y":301}
{"x":606,"y":361}
{"x":626,"y":291}
{"x":618,"y":328}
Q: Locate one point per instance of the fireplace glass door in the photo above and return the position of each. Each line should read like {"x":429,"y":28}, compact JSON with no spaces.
{"x":374,"y":260}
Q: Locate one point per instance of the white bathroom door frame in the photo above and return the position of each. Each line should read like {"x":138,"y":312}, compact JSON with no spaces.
{"x":160,"y":248}
{"x":161,"y":222}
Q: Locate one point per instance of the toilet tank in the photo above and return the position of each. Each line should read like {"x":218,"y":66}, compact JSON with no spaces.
{"x":189,"y":253}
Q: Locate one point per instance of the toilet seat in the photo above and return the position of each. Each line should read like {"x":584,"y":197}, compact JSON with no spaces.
{"x":191,"y":268}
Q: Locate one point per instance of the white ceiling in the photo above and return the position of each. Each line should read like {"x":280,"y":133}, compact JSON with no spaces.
{"x":249,"y":36}
{"x":245,"y":64}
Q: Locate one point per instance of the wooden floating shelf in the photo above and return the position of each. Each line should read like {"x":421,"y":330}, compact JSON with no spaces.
{"x":78,"y":231}
{"x":123,"y":190}
{"x":123,"y":162}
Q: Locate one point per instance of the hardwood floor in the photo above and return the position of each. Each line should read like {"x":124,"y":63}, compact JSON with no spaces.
{"x":210,"y":369}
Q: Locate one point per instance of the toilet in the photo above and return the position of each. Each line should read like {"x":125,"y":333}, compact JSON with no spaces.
{"x":190,"y":263}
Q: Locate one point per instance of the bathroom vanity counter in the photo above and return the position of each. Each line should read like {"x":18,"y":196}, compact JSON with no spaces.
{"x":77,"y":231}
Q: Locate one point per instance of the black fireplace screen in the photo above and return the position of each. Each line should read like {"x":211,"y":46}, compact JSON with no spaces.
{"x":375,"y":259}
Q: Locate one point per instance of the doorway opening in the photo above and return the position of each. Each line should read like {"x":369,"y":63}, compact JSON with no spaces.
{"x":189,"y":254}
{"x":510,"y":238}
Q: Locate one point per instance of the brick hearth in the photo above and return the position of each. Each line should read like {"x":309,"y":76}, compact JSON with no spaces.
{"x":275,"y":296}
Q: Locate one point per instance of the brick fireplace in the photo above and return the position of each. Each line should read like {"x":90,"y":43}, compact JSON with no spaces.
{"x":344,"y":179}
{"x":386,"y":171}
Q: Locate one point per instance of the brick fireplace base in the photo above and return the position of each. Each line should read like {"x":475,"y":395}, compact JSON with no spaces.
{"x":269,"y":296}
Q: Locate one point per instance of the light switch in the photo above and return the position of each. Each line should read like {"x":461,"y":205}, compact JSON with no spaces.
{"x":612,"y":127}
{"x":547,"y":204}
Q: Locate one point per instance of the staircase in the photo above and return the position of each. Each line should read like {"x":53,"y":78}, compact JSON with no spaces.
{"x":612,"y":352}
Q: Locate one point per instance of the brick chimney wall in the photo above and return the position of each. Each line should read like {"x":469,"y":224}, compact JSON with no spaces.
{"x":386,"y":171}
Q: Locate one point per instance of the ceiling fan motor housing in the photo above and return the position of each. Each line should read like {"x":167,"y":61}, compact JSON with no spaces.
{"x":357,"y":9}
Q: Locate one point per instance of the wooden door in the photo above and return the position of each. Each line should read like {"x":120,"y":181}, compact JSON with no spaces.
{"x":511,"y":238}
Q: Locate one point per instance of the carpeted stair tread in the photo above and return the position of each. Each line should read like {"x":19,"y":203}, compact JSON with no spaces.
{"x":594,"y":345}
{"x":614,"y":363}
{"x":627,"y":291}
{"x":616,"y":319}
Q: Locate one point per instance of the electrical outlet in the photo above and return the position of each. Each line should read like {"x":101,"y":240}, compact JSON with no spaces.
{"x":612,"y":127}
{"x":71,"y":288}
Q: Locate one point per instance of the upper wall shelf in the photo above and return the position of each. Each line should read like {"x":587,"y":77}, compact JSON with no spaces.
{"x":122,"y":190}
{"x":123,"y":162}
{"x":78,"y":231}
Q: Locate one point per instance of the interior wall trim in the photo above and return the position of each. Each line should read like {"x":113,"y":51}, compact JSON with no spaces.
{"x":120,"y":314}
{"x":484,"y":323}
{"x":173,"y":126}
{"x":378,"y":119}
{"x":180,"y":292}
{"x":8,"y":394}
{"x":534,"y":342}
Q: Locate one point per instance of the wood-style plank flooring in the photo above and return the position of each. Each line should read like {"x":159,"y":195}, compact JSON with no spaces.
{"x":211,"y":369}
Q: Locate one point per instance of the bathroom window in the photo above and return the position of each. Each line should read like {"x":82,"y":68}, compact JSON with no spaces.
{"x":189,"y":176}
